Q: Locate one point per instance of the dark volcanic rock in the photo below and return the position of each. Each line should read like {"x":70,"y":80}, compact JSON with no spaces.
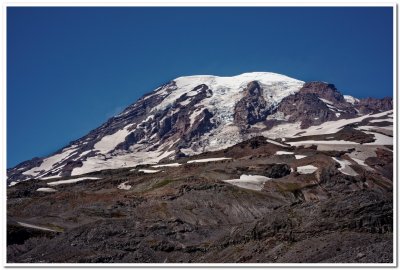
{"x":323,"y":90}
{"x":15,"y":174}
{"x":374,"y":105}
{"x":252,"y":108}
{"x":276,"y":170}
{"x":314,"y":104}
{"x":17,"y":235}
{"x":306,"y":108}
{"x":383,"y":162}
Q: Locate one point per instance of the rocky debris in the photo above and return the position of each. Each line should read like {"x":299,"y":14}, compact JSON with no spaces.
{"x":16,"y":173}
{"x":373,"y":105}
{"x":305,"y":108}
{"x":18,"y":235}
{"x":255,"y":146}
{"x":276,"y":170}
{"x":383,"y":162}
{"x":347,"y":133}
{"x":301,"y":232}
{"x":323,"y":90}
{"x":252,"y":108}
{"x":314,"y":104}
{"x":189,"y":214}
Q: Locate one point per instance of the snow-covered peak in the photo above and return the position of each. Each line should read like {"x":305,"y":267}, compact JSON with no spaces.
{"x":233,"y":81}
{"x":229,"y":89}
{"x":248,"y":76}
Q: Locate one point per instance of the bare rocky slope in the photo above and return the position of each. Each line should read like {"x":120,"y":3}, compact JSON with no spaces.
{"x":256,"y":168}
{"x":194,"y":212}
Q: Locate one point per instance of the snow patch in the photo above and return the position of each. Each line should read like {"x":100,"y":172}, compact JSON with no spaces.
{"x":253,"y":182}
{"x":380,"y":139}
{"x":45,"y":189}
{"x":283,"y":153}
{"x":321,"y":142}
{"x":35,"y":227}
{"x":307,"y":169}
{"x":350,"y":99}
{"x":148,"y":171}
{"x":329,"y":127}
{"x":326,"y":101}
{"x":194,"y":115}
{"x":50,"y":162}
{"x":124,"y":186}
{"x":359,"y":161}
{"x":70,"y":181}
{"x":84,"y":153}
{"x":167,"y":165}
{"x":276,"y":143}
{"x":185,"y":102}
{"x":109,"y":142}
{"x":124,"y":160}
{"x":207,"y":160}
{"x":344,"y":167}
{"x":49,"y":177}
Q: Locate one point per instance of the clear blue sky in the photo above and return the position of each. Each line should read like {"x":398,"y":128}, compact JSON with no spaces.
{"x":69,"y":69}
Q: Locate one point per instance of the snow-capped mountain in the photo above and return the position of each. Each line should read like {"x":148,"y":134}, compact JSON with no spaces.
{"x":194,"y":114}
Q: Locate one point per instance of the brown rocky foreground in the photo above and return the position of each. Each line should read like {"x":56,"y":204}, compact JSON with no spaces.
{"x":189,"y":214}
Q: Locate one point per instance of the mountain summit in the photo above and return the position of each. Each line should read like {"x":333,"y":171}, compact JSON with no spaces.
{"x":195,"y":114}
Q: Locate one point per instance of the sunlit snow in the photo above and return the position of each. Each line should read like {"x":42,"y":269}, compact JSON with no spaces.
{"x":109,"y":142}
{"x":207,"y":160}
{"x":35,"y":227}
{"x":48,"y":163}
{"x":283,"y":153}
{"x":46,"y":189}
{"x":124,"y":186}
{"x":148,"y":171}
{"x":71,"y":181}
{"x":307,"y":169}
{"x":350,"y":99}
{"x":344,"y":166}
{"x":329,"y":127}
{"x":167,"y":165}
{"x":253,"y":182}
{"x":380,"y":139}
